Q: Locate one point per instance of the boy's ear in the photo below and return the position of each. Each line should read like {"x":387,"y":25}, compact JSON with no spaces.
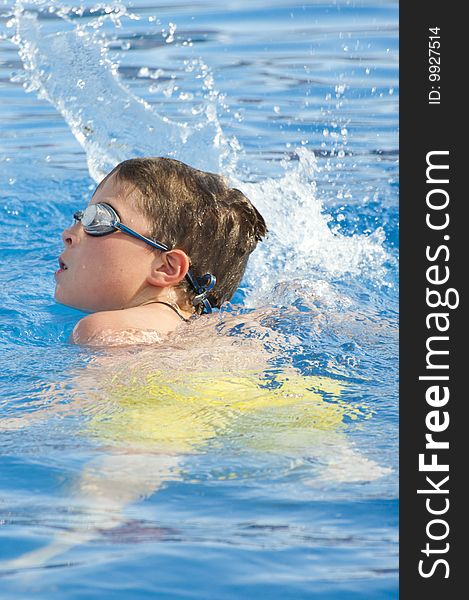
{"x":169,"y":268}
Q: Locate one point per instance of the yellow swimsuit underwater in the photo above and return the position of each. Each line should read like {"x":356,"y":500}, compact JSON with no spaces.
{"x":183,"y":412}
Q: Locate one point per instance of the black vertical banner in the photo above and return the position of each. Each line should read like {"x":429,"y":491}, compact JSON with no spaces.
{"x":433,"y":352}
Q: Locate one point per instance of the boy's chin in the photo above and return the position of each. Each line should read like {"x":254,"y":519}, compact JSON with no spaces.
{"x":61,"y":298}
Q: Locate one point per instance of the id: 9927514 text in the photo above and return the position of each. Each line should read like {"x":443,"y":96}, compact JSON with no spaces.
{"x":434,"y":67}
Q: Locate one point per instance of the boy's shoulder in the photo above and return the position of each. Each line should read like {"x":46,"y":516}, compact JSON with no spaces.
{"x":94,"y":325}
{"x":115,"y":327}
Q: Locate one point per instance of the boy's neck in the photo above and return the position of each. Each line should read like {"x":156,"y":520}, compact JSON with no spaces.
{"x":172,"y":297}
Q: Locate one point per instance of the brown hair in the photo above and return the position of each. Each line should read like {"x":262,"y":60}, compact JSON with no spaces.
{"x":196,"y":211}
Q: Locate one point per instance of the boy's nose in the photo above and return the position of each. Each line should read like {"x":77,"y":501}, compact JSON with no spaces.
{"x":70,"y":235}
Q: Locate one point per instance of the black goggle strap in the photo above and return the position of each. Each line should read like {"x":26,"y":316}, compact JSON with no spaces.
{"x":202,"y":286}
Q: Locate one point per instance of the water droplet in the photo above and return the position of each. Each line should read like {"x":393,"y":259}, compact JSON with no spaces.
{"x":340,"y":89}
{"x":170,"y":35}
{"x":186,"y":96}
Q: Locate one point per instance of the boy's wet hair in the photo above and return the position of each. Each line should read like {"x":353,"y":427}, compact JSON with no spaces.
{"x":215,"y":225}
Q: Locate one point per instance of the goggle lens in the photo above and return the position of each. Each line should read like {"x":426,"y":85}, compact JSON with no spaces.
{"x":97,"y":219}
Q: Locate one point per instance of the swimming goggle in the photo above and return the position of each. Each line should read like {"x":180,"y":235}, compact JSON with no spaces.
{"x":101,"y":219}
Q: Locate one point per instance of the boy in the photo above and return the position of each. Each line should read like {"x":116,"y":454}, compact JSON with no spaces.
{"x":180,"y":242}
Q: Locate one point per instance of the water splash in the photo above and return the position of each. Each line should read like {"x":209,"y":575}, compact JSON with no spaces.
{"x":71,"y":68}
{"x":302,"y":253}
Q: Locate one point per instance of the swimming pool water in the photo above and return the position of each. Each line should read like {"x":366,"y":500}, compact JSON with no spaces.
{"x":297,"y":104}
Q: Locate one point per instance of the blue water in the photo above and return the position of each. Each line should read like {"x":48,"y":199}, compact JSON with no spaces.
{"x":298,"y":105}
